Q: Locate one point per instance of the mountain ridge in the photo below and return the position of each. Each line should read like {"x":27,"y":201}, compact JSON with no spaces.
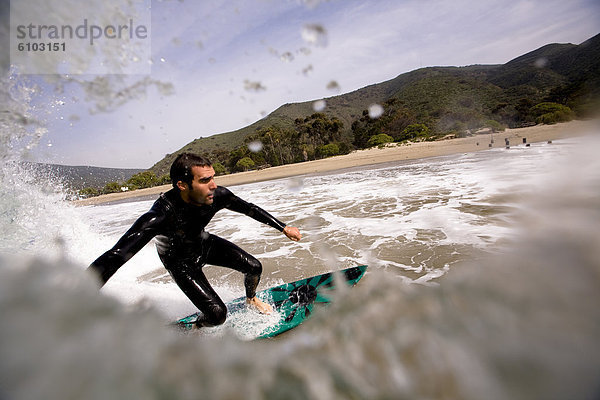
{"x":443,"y":97}
{"x":76,"y":177}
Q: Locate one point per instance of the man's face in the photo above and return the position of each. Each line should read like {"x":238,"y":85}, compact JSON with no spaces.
{"x":203,"y":186}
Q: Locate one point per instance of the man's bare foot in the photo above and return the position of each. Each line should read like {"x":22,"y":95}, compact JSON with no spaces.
{"x":259,"y":305}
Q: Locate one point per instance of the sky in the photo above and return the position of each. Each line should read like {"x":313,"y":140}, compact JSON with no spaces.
{"x":218,"y":66}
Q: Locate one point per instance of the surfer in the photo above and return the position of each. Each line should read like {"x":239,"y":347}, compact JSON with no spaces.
{"x":177,"y":220}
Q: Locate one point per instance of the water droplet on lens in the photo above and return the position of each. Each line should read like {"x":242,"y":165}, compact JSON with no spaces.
{"x":295,"y":184}
{"x":319,"y":105}
{"x":334,"y":86}
{"x":255,"y":146}
{"x":255,"y":86}
{"x":541,"y":62}
{"x":307,"y":70}
{"x":287,"y":57}
{"x":315,"y":34}
{"x":375,"y":111}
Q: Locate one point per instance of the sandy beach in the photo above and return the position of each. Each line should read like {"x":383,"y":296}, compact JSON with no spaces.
{"x":394,"y":152}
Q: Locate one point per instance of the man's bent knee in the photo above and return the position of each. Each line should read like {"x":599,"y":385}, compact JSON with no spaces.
{"x":215,"y":315}
{"x":255,"y":266}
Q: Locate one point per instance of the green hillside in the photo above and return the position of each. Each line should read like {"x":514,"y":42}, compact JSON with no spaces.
{"x":79,"y":177}
{"x":424,"y":104}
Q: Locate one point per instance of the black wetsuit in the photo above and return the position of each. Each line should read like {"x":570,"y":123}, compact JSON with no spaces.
{"x":185,"y":247}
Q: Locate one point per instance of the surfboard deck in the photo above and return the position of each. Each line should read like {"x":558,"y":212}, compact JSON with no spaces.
{"x":292,"y":304}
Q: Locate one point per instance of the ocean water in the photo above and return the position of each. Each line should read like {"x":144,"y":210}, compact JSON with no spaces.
{"x":483,"y":282}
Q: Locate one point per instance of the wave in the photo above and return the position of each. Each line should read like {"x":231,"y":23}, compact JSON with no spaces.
{"x":524,"y":325}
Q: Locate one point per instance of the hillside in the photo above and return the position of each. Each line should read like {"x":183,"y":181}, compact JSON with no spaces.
{"x":428,"y":103}
{"x":79,"y":177}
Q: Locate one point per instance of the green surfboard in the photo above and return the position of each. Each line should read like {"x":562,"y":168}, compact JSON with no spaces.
{"x":292,"y":304}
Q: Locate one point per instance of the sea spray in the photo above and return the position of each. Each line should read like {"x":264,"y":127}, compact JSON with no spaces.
{"x":26,"y":202}
{"x":33,"y":210}
{"x":34,"y":216}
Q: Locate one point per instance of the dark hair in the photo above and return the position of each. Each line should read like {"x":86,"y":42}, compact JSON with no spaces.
{"x":181,"y":169}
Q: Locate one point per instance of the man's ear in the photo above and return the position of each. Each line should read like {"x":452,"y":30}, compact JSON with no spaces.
{"x":182,"y":185}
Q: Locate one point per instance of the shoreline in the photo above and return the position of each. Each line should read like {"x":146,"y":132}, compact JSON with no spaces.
{"x":412,"y":151}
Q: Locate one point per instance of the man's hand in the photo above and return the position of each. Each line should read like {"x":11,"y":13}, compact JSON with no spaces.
{"x":292,"y":233}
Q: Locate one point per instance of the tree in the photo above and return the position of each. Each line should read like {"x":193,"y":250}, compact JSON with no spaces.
{"x":276,"y":143}
{"x":314,"y":132}
{"x":394,"y":120}
{"x":111,"y":187}
{"x":88,"y":192}
{"x":142,"y":180}
{"x":164,"y":179}
{"x":414,"y":131}
{"x":380,"y":139}
{"x":551,"y":113}
{"x":523,"y":108}
{"x":219,"y":168}
{"x":236,"y":155}
{"x":244,"y":164}
{"x":494,"y":125}
{"x":329,"y":150}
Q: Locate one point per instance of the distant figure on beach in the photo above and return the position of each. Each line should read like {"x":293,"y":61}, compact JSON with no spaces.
{"x":177,"y":220}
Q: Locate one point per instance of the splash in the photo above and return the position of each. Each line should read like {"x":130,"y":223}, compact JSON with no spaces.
{"x":33,"y":209}
{"x":95,"y":39}
{"x":19,"y":127}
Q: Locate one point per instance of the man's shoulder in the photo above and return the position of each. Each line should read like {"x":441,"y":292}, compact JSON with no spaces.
{"x":222,"y":193}
{"x":166,"y":201}
{"x":223,"y":197}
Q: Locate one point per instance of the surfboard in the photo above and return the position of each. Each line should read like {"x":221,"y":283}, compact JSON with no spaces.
{"x":292,"y":303}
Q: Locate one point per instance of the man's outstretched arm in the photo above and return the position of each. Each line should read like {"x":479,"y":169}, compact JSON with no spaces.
{"x":140,"y":233}
{"x":236,"y":204}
